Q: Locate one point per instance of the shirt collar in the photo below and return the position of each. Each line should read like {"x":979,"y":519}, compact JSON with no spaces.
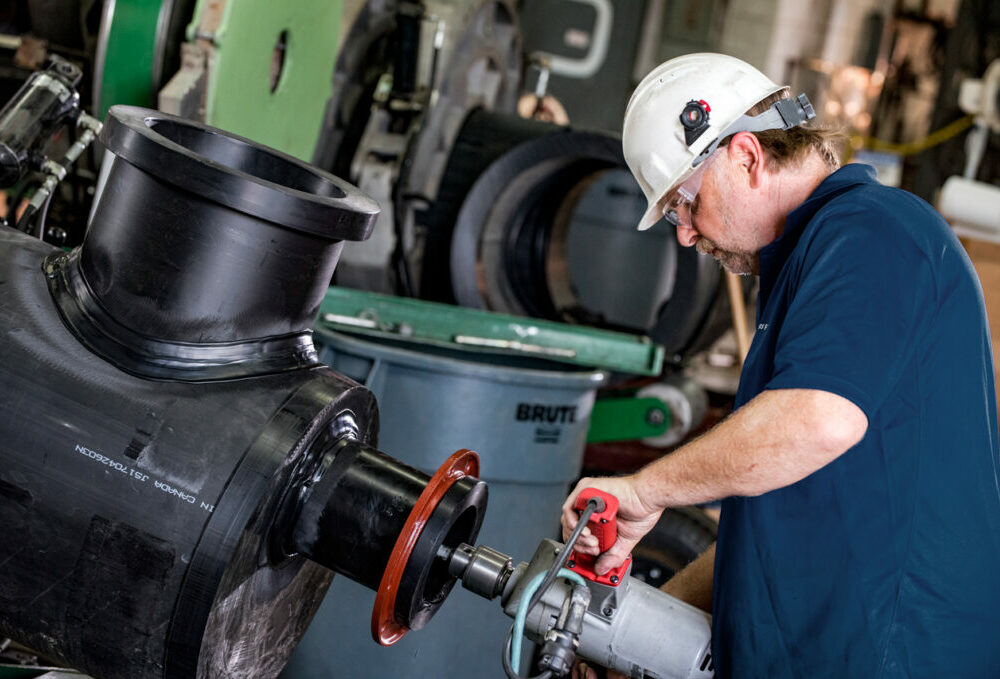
{"x":774,"y":255}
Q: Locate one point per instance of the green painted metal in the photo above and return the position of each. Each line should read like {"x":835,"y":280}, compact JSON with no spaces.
{"x":125,"y":56}
{"x":625,"y":419}
{"x":239,"y":97}
{"x":484,"y":331}
{"x":18,"y":672}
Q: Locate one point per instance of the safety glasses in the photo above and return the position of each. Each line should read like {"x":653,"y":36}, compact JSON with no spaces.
{"x":679,"y":200}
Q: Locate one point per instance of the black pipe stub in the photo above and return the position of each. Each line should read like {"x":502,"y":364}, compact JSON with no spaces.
{"x":138,"y":354}
{"x":366,"y":515}
{"x":349,"y":509}
{"x":239,"y":173}
{"x":208,"y":255}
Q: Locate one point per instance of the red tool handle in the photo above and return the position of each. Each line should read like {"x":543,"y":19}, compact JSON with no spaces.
{"x":602,"y":522}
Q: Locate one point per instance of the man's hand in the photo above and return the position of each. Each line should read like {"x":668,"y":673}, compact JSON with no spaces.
{"x":635,"y":519}
{"x":583,"y":671}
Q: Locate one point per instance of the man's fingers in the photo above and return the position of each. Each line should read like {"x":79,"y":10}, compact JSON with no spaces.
{"x":568,"y":524}
{"x":587,"y":544}
{"x":570,"y":517}
{"x":614,"y":557}
{"x":568,"y":504}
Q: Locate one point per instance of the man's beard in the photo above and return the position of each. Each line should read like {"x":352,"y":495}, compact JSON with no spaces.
{"x":743,"y":263}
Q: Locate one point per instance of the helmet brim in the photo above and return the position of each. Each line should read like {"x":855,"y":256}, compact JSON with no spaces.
{"x":651,"y":217}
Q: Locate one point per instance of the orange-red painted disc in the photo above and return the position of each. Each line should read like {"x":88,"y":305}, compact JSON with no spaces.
{"x":385,"y":629}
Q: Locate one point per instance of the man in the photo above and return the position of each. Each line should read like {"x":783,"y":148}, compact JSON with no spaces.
{"x":860,"y":472}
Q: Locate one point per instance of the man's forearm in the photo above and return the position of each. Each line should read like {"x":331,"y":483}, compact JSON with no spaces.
{"x":776,"y":439}
{"x":693,"y":584}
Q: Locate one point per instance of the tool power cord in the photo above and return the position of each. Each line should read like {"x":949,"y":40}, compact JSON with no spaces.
{"x":550,"y":577}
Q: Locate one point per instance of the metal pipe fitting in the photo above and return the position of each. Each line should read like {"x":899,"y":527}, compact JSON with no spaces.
{"x":483,"y":570}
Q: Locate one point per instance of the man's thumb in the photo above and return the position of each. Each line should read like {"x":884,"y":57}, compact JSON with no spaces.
{"x":612,"y":558}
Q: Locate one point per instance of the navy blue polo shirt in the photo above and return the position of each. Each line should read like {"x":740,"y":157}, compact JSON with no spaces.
{"x":886,"y":562}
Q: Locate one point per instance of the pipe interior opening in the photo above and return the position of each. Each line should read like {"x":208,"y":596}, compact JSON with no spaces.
{"x":244,"y":157}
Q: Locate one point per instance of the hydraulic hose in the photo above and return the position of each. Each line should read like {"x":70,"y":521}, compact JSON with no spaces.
{"x":517,"y":631}
{"x":533,"y":596}
{"x":563,"y":556}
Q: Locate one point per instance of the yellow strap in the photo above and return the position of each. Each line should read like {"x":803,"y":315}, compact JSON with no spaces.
{"x":914,"y":147}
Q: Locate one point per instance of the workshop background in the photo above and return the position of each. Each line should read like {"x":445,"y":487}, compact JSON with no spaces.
{"x":426,"y":198}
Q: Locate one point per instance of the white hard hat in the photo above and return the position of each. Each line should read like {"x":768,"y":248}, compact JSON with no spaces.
{"x":682,"y":110}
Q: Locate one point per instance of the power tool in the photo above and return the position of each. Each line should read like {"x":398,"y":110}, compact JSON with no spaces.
{"x":559,"y":601}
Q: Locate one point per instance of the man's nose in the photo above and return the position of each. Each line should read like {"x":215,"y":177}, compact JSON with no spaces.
{"x":686,"y":235}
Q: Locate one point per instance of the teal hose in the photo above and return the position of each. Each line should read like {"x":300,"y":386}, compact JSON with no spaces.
{"x":522,"y":611}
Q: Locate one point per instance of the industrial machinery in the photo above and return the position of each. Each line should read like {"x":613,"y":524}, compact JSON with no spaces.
{"x":42,"y":108}
{"x":416,"y":106}
{"x":521,"y":392}
{"x":488,"y":210}
{"x":408,"y":74}
{"x":184,"y":476}
{"x":179,"y":476}
{"x":136,"y":46}
{"x":244,"y":65}
{"x":612,"y":619}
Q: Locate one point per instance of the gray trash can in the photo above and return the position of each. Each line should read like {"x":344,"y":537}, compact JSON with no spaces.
{"x":528,"y":421}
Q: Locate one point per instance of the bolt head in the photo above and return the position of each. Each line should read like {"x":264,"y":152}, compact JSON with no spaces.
{"x":655,"y":417}
{"x":608,"y":611}
{"x":55,"y":235}
{"x":571,"y":564}
{"x":614,"y":579}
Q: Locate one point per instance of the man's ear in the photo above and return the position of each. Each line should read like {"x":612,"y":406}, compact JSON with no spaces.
{"x":745,"y":148}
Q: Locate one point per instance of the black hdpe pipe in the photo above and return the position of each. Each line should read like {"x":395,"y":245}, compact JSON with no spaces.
{"x":236,"y":251}
{"x":178,"y":475}
{"x":354,"y":475}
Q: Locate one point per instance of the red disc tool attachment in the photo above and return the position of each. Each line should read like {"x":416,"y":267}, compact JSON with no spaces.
{"x":603,"y":525}
{"x":386,"y":630}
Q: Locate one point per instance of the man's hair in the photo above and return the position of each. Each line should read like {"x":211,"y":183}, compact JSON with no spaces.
{"x":788,"y":147}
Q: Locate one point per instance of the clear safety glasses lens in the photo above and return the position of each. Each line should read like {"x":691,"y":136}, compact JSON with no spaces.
{"x":684,"y":195}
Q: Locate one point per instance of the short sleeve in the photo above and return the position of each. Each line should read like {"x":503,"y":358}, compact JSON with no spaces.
{"x":862,"y":291}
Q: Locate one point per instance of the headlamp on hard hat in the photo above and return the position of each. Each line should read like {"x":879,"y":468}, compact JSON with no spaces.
{"x":694,"y":119}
